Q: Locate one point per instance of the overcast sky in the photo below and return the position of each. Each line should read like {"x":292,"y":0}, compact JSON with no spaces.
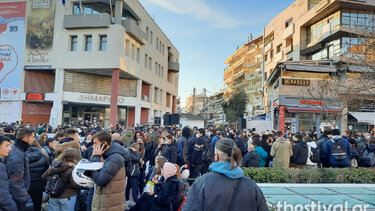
{"x":206,"y":32}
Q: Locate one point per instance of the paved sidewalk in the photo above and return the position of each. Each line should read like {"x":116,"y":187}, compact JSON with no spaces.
{"x":326,"y":196}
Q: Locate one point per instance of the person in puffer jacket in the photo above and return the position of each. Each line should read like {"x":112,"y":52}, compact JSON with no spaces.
{"x":38,"y":163}
{"x":133,"y":172}
{"x":109,"y":194}
{"x":6,"y":202}
{"x":328,"y":148}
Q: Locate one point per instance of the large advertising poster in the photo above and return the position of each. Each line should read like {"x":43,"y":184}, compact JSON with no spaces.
{"x":12,"y":30}
{"x":39,"y":34}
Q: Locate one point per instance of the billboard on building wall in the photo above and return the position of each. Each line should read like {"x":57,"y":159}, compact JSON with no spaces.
{"x":39,"y":33}
{"x":12,"y":30}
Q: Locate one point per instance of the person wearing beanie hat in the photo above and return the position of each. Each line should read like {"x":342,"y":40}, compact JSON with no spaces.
{"x":166,"y":192}
{"x":338,"y":150}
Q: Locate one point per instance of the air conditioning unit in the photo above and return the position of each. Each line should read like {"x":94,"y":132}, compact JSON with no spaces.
{"x":145,"y":98}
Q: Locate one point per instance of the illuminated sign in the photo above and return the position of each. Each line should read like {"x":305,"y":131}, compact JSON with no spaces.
{"x":34,"y":96}
{"x":311,"y":102}
{"x":296,"y":82}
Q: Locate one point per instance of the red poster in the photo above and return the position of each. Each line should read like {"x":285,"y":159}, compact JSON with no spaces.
{"x":282,"y":118}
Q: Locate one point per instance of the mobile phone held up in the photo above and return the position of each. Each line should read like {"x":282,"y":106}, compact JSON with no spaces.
{"x":103,"y":146}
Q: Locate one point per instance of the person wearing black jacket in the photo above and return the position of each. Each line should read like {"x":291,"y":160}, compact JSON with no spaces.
{"x":48,"y":149}
{"x":10,"y":132}
{"x":6,"y":202}
{"x":170,"y":152}
{"x":132,"y":172}
{"x":38,"y":163}
{"x":18,"y":169}
{"x":300,"y":152}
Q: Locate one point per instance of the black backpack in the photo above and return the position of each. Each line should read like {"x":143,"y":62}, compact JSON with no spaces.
{"x":315,"y":155}
{"x":198,"y":150}
{"x":338,"y":150}
{"x":183,"y":188}
{"x":55,"y":185}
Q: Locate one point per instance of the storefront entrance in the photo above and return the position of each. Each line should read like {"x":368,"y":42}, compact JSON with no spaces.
{"x":91,"y":117}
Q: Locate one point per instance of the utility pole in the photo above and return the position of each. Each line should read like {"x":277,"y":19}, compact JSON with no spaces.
{"x":204,"y":103}
{"x":193,"y":109}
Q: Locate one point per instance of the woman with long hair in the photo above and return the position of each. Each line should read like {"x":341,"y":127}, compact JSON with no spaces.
{"x":64,"y":164}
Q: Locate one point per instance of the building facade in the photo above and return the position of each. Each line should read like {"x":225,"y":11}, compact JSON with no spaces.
{"x":311,"y":30}
{"x":244,"y":74}
{"x":98,"y":61}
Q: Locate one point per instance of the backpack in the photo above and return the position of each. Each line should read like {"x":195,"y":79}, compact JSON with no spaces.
{"x":198,"y":152}
{"x":207,"y":153}
{"x":183,"y":188}
{"x":315,"y":155}
{"x":338,"y":150}
{"x":368,"y":159}
{"x":55,"y":185}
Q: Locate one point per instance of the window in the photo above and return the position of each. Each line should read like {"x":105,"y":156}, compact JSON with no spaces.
{"x":73,"y":43}
{"x":103,"y":43}
{"x":289,"y":23}
{"x":150,"y":63}
{"x":162,"y":72}
{"x":151,"y":37}
{"x":127,"y":47}
{"x":157,"y":43}
{"x":265,"y":57}
{"x":133,"y":51}
{"x":146,"y":61}
{"x":138,"y":55}
{"x":279,"y":48}
{"x":88,"y":8}
{"x":162,"y":49}
{"x":147,"y":33}
{"x":159,"y":70}
{"x":156,"y":68}
{"x":88,"y":43}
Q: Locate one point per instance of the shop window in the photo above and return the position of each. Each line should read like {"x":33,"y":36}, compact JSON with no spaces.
{"x":103,"y":43}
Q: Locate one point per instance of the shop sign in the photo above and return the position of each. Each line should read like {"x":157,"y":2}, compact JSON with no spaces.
{"x":282,"y":118}
{"x":296,"y":82}
{"x":34,"y":96}
{"x":99,"y":98}
{"x":311,"y":102}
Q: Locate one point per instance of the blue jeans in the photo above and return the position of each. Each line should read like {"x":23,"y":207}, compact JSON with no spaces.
{"x":132,"y":184}
{"x":55,"y":204}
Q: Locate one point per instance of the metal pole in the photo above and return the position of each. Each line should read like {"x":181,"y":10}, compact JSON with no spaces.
{"x":263,"y":78}
{"x":193,"y":109}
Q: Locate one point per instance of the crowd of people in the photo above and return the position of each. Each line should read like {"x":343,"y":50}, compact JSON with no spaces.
{"x":89,"y":167}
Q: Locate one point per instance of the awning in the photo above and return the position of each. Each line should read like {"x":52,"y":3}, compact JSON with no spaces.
{"x":312,"y":110}
{"x":365,"y":117}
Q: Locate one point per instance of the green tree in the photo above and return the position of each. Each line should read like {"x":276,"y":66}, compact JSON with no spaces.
{"x":235,"y":107}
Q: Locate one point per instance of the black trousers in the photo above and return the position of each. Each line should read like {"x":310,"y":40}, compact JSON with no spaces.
{"x":36,"y":192}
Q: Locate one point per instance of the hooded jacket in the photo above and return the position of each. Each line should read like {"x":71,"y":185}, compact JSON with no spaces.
{"x":6,"y":202}
{"x":68,"y":143}
{"x":18,"y":172}
{"x":281,"y":151}
{"x":262,"y":154}
{"x":38,"y":163}
{"x":214,"y":190}
{"x":328,"y":151}
{"x":300,"y":153}
{"x":170,"y":153}
{"x":110,"y":180}
{"x":166,"y":195}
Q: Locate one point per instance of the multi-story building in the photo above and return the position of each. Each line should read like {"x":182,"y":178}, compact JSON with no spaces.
{"x":244,"y":73}
{"x":196,"y":104}
{"x":312,"y":30}
{"x":97,"y":61}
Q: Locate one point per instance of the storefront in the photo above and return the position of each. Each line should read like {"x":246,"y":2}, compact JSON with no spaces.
{"x":296,"y":114}
{"x":74,"y":113}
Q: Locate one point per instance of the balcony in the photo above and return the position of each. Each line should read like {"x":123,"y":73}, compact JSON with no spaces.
{"x":251,"y":89}
{"x":81,"y":21}
{"x":237,"y":84}
{"x":134,"y":31}
{"x":268,"y":47}
{"x":173,"y":66}
{"x":289,"y":49}
{"x":289,"y":31}
{"x":279,"y":56}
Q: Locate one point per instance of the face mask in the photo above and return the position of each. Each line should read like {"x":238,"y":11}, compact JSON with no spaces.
{"x":197,"y":135}
{"x":208,"y":134}
{"x":138,"y":137}
{"x":166,"y":142}
{"x":156,"y":166}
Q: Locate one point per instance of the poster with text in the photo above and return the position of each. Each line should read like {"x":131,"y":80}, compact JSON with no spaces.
{"x":12,"y":41}
{"x":39,"y":33}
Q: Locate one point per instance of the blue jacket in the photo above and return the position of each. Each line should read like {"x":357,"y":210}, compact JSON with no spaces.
{"x":262,"y":154}
{"x":206,"y":194}
{"x":6,"y":202}
{"x":18,"y":172}
{"x":114,"y":160}
{"x":328,"y":151}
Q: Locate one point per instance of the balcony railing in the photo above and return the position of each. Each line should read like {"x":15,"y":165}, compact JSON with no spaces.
{"x":289,"y":49}
{"x":268,"y":47}
{"x":173,"y":66}
{"x":134,"y":31}
{"x":289,"y":31}
{"x":80,"y":21}
{"x":279,"y":56}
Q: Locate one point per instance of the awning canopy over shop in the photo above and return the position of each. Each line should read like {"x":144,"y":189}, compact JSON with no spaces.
{"x":312,"y":110}
{"x":365,"y":117}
